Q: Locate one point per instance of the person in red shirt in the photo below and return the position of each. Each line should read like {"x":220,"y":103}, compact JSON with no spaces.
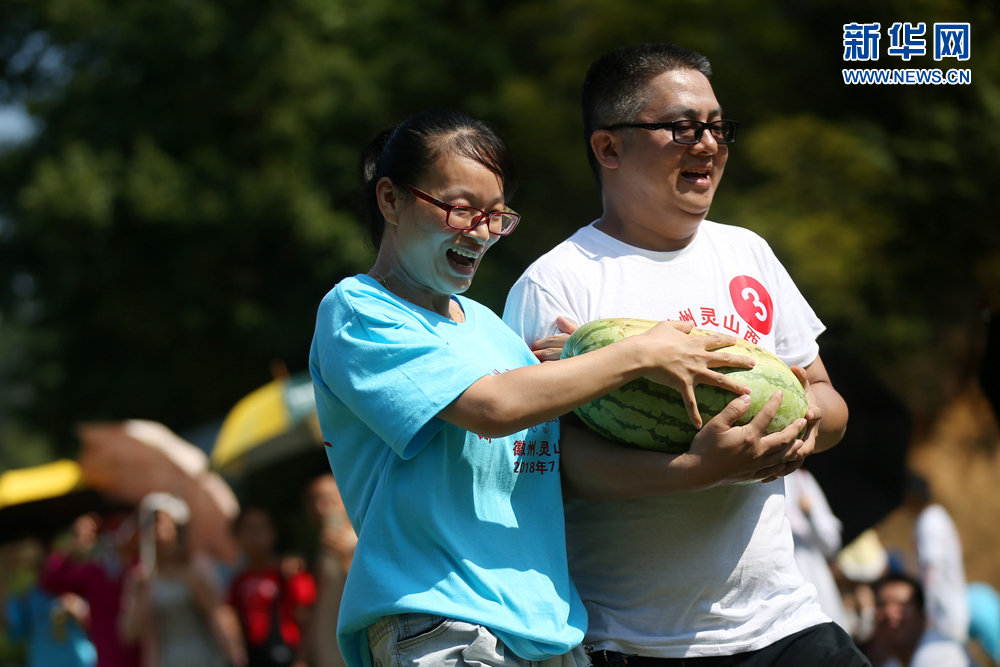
{"x":272,"y":599}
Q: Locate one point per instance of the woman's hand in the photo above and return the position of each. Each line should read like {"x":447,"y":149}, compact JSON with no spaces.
{"x":681,"y":362}
{"x":550,"y":347}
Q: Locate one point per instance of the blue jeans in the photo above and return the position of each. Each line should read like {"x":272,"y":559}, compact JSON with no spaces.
{"x":426,"y":640}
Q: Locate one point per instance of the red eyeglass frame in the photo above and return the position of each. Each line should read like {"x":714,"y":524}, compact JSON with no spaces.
{"x":483,"y":216}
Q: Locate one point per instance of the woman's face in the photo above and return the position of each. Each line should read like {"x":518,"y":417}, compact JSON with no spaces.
{"x":435,"y":258}
{"x":164,"y":530}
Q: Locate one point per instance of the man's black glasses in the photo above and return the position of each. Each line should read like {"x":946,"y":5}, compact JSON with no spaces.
{"x":689,"y":131}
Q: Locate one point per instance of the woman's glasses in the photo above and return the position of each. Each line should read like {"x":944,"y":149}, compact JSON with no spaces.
{"x":464,"y":218}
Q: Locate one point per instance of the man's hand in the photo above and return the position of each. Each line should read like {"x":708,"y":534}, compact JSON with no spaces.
{"x":550,"y":347}
{"x":724,"y":453}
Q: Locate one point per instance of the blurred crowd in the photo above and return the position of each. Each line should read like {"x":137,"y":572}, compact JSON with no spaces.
{"x":126,"y":590}
{"x":924,"y":615}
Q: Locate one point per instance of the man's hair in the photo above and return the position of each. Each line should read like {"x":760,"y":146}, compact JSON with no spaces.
{"x":614,"y":90}
{"x":918,"y":590}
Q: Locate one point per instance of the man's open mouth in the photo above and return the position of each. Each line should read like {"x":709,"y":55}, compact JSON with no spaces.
{"x":697,"y":175}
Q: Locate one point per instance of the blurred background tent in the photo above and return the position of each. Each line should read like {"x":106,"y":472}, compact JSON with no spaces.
{"x":181,"y":192}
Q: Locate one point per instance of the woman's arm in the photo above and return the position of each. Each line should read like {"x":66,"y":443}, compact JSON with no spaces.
{"x":499,"y":405}
{"x":134,"y":613}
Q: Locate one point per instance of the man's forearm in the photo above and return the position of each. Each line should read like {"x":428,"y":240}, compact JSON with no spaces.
{"x":834,"y":423}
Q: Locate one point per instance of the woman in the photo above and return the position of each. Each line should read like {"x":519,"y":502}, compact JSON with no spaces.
{"x":442,"y":426}
{"x":176,"y":612}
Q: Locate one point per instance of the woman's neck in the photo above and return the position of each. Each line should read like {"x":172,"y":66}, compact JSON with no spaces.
{"x":396,"y":281}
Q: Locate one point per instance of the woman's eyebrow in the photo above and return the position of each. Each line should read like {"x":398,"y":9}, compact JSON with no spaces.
{"x":468,"y":196}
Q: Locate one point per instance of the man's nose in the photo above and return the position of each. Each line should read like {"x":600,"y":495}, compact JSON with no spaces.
{"x":707,"y":143}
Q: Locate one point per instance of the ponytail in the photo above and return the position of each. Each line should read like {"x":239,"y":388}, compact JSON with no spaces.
{"x":368,"y":173}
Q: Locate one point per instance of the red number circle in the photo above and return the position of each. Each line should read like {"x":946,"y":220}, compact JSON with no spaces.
{"x":753,"y":303}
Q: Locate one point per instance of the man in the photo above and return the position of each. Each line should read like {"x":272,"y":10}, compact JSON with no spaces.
{"x":939,"y":553}
{"x":901,"y":626}
{"x":711,"y":574}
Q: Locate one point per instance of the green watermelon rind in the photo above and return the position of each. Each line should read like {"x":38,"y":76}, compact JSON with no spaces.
{"x":652,"y":416}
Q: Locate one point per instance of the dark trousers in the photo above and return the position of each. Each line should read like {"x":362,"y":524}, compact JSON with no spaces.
{"x":824,"y":645}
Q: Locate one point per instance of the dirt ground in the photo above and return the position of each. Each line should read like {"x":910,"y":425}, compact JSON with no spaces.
{"x":958,"y":454}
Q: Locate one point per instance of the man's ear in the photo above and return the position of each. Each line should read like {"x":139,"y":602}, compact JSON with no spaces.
{"x":387,"y":200}
{"x":607,"y":147}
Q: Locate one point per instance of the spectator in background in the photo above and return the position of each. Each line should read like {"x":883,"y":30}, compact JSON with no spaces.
{"x":859,"y":564}
{"x":52,"y":627}
{"x":816,"y":534}
{"x":273,"y":606}
{"x":939,"y":555}
{"x":984,"y":618}
{"x":175,"y":611}
{"x":901,"y":625}
{"x":333,"y":560}
{"x":93,"y":568}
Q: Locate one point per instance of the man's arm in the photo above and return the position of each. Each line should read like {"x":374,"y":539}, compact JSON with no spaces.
{"x":827,"y":410}
{"x":593,"y":468}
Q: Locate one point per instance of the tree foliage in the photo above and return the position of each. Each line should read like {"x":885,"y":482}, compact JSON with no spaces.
{"x":189,"y":196}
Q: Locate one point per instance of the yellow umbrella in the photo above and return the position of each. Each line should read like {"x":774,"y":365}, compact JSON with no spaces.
{"x":51,"y":480}
{"x":273,"y":422}
{"x":44,"y":499}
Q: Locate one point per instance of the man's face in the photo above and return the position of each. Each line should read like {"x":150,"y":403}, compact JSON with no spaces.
{"x":898,"y":620}
{"x":680,"y":179}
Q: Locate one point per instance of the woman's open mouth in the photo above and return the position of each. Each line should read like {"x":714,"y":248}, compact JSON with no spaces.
{"x":462,"y":259}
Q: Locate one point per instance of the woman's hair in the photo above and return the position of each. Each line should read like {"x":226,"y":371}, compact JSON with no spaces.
{"x":408,"y":151}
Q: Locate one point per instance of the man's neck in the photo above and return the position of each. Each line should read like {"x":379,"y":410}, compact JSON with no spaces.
{"x":665,"y":234}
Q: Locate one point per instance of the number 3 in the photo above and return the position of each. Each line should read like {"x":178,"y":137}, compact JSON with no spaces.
{"x":746,"y":294}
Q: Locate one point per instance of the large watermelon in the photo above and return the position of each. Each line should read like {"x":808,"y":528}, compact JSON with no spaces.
{"x":649,"y":415}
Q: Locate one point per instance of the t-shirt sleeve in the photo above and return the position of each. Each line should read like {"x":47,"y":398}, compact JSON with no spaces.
{"x":391,"y":370}
{"x":796,"y":325}
{"x":531,"y":310}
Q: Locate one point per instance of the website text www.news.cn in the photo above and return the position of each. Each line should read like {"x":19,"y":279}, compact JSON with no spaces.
{"x":908,"y":76}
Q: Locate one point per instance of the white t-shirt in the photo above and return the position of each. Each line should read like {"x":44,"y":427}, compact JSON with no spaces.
{"x":688,"y":574}
{"x":939,"y":552}
{"x":817,"y":540}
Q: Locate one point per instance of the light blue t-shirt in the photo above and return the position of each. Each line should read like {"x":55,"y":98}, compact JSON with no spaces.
{"x":53,"y":637}
{"x":448,"y":522}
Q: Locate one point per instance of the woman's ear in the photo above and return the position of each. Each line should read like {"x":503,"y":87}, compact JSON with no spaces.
{"x":607,"y":147}
{"x":388,"y":202}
